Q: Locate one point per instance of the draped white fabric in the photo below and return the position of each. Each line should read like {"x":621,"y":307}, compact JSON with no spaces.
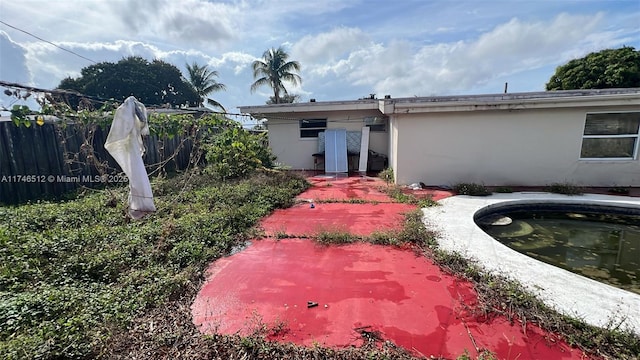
{"x":125,"y":144}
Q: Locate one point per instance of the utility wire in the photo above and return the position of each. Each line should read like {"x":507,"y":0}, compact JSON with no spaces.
{"x":55,"y":91}
{"x":256,"y":117}
{"x":97,"y":99}
{"x":101,"y":100}
{"x":48,"y":42}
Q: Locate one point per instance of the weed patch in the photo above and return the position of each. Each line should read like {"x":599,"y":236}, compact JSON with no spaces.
{"x":330,"y":236}
{"x":565,"y":189}
{"x":396,"y":193}
{"x":504,"y":189}
{"x":471,"y":189}
{"x":387,"y":176}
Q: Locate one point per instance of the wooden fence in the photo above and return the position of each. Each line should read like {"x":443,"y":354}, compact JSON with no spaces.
{"x":40,"y":162}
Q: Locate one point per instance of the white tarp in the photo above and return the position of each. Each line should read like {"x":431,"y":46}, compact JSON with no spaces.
{"x":125,"y":144}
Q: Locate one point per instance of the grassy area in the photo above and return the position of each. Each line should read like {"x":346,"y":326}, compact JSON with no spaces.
{"x":74,"y":273}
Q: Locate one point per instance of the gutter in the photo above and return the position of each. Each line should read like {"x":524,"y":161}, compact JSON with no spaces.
{"x":406,"y":107}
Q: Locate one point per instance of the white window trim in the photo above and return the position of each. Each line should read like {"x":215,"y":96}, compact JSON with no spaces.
{"x":636,"y":136}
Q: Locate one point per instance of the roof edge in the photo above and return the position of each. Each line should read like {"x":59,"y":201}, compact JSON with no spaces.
{"x":459,"y":102}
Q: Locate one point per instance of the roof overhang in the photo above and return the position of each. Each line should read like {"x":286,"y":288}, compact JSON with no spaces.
{"x":509,"y":101}
{"x":516,"y":101}
{"x":369,"y":104}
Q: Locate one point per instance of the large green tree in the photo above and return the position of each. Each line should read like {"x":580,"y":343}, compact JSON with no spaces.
{"x":610,"y":68}
{"x":203,"y":81}
{"x":152,"y":83}
{"x":273,"y":70}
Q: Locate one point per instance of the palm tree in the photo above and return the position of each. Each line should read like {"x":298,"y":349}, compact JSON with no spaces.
{"x":273,"y":69}
{"x":202,"y":80}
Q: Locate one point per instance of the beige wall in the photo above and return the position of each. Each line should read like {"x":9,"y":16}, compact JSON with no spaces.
{"x":516,"y":147}
{"x":296,"y":152}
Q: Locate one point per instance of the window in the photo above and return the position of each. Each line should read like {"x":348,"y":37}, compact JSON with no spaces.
{"x":310,"y":128}
{"x":376,"y":123}
{"x":611,"y":136}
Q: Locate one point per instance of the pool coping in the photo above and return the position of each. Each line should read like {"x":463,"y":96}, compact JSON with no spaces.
{"x":571,"y":294}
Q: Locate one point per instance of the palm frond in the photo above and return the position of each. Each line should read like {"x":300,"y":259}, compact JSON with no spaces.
{"x":216,"y":104}
{"x":260,"y":82}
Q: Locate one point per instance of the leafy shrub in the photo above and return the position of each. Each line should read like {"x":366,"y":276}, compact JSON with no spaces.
{"x":471,"y":189}
{"x":234,"y":152}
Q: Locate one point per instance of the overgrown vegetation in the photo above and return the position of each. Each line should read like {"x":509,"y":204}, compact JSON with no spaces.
{"x":234,"y":152}
{"x":79,"y":279}
{"x":74,"y":272}
{"x":471,"y":189}
{"x":565,"y":189}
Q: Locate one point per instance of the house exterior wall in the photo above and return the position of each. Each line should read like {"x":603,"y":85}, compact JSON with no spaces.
{"x":296,"y":152}
{"x":526,"y":147}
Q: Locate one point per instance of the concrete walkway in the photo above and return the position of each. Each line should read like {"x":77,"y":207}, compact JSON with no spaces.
{"x":295,"y":290}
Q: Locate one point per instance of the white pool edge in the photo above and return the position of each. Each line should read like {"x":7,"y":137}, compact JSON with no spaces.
{"x":571,"y":294}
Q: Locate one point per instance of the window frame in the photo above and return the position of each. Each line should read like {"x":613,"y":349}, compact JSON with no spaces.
{"x":635,"y":136}
{"x":316,"y":129}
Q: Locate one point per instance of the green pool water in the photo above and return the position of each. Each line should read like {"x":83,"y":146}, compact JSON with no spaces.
{"x":601,"y":246}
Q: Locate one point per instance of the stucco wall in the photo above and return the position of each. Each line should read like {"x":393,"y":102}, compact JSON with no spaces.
{"x":517,"y":147}
{"x":296,"y":152}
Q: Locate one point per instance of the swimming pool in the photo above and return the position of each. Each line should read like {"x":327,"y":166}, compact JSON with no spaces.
{"x":571,"y":294}
{"x":596,"y":241}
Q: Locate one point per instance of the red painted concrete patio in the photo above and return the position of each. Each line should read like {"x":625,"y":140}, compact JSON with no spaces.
{"x":360,"y":287}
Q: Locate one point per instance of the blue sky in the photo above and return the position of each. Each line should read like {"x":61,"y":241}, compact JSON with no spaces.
{"x":347,"y":49}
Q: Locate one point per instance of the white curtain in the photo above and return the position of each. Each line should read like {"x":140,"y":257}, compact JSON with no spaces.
{"x":125,"y":144}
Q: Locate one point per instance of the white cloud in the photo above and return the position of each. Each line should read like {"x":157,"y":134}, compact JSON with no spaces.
{"x":323,"y":47}
{"x":187,"y":22}
{"x":346,"y":49}
{"x":401,"y":69}
{"x":13,"y":69}
{"x":13,"y":59}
